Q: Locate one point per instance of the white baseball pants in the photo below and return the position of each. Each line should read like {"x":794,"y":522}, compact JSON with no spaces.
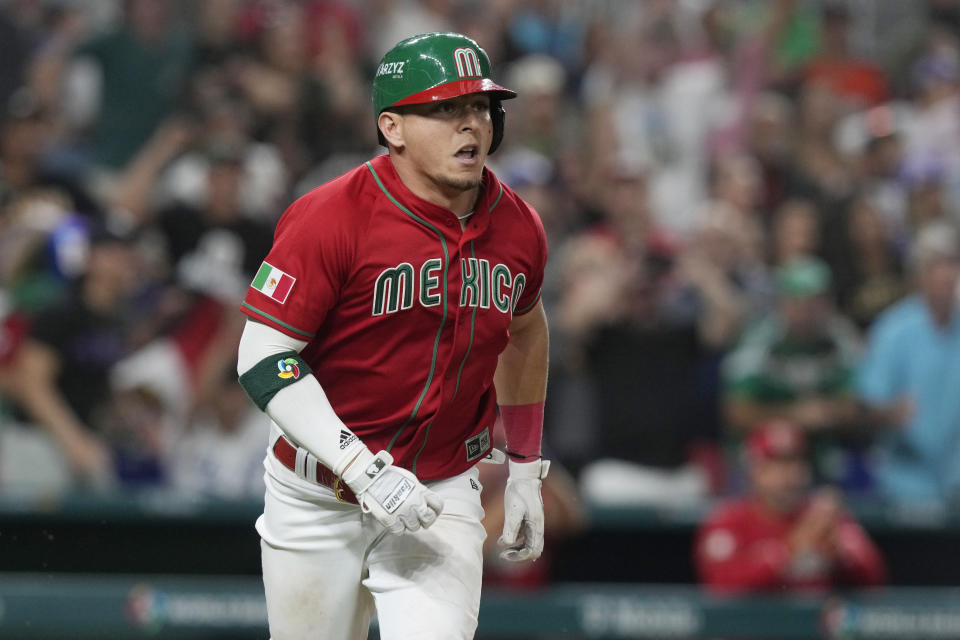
{"x":326,"y":565}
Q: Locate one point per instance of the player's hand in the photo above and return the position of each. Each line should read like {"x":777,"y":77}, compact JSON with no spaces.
{"x":818,"y":523}
{"x":391,"y":494}
{"x":523,"y":511}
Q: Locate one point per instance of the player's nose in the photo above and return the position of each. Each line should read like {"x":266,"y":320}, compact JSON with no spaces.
{"x":471,"y":120}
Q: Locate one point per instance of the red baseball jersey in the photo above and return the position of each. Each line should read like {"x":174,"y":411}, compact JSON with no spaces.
{"x":743,"y":547}
{"x":405,"y":314}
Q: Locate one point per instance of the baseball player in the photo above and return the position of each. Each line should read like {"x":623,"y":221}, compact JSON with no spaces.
{"x":398,"y":307}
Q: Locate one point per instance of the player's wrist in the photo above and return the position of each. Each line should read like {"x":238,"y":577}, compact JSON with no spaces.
{"x":531,"y":470}
{"x":354,"y":455}
{"x":353,"y":462}
{"x":523,"y":427}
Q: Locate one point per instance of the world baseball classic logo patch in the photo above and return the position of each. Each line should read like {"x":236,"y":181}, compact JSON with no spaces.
{"x":478,"y":444}
{"x":288,"y":369}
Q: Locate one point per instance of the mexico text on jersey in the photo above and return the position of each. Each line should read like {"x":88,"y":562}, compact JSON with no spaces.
{"x":400,"y":307}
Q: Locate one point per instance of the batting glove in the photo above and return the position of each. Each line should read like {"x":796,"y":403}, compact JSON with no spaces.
{"x":523,"y":511}
{"x":391,"y":494}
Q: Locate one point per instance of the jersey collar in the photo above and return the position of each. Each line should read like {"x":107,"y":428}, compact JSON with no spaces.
{"x":491,"y":194}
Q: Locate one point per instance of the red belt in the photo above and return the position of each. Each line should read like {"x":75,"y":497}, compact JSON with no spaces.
{"x":286,"y":453}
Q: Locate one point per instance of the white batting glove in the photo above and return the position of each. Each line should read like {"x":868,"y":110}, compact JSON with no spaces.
{"x":391,"y":494}
{"x":523,"y":511}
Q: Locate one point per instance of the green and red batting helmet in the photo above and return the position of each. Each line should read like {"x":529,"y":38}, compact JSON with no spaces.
{"x":437,"y":66}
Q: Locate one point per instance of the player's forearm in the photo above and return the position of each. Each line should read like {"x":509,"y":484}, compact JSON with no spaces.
{"x":40,"y":398}
{"x":47,"y":409}
{"x":296,"y":402}
{"x":521,"y":384}
{"x":521,"y":376}
{"x":858,"y":560}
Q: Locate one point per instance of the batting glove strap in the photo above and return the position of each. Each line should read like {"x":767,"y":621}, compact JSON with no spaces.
{"x":392,"y":495}
{"x":536,"y":470}
{"x":364,"y":469}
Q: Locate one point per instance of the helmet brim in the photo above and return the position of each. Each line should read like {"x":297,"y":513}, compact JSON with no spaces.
{"x":458,"y":88}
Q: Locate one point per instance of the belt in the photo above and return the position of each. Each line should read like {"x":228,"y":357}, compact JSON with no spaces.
{"x":286,"y":453}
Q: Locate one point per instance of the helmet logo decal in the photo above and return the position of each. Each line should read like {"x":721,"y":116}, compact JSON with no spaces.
{"x":468,"y":65}
{"x":390,"y":68}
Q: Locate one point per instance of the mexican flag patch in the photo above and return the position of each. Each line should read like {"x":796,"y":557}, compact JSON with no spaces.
{"x":273,"y":283}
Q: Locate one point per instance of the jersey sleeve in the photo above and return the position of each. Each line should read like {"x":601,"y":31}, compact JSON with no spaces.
{"x":531,"y":291}
{"x":300,"y":279}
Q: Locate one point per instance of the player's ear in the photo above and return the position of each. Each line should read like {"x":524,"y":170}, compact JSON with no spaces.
{"x":391,"y":127}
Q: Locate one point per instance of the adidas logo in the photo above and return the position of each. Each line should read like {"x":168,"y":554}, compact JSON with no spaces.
{"x":474,"y":485}
{"x":346,"y":439}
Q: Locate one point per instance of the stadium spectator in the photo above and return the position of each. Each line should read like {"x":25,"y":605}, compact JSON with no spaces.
{"x":932,"y":128}
{"x":798,"y":363}
{"x":64,"y":365}
{"x":874,"y":138}
{"x":910,"y":374}
{"x":220,"y":453}
{"x":646,"y":327}
{"x":856,"y":81}
{"x":795,"y":232}
{"x":141,"y":68}
{"x":27,"y":134}
{"x":783,"y":535}
{"x":867,"y":266}
{"x":821,"y":172}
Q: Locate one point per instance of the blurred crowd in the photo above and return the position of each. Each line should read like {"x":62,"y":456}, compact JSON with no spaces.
{"x":750,"y":204}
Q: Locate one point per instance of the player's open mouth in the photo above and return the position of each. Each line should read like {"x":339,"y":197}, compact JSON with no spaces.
{"x":467,"y":154}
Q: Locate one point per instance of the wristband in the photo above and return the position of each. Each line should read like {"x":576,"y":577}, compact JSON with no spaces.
{"x":523,"y":427}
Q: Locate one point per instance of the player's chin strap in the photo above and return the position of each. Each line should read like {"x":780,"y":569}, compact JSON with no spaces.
{"x":499,"y":116}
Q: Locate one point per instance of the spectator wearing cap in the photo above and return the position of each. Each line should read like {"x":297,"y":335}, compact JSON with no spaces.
{"x":911,"y":372}
{"x":798,"y":363}
{"x":783,"y":535}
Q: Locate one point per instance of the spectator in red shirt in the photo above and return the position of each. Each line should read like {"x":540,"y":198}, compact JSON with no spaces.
{"x":782,"y":535}
{"x":857,"y":82}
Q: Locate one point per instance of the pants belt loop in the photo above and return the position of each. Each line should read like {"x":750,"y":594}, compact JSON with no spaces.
{"x":311,"y":467}
{"x":301,"y":463}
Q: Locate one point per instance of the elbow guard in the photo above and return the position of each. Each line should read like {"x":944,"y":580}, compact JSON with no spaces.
{"x":271,"y":375}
